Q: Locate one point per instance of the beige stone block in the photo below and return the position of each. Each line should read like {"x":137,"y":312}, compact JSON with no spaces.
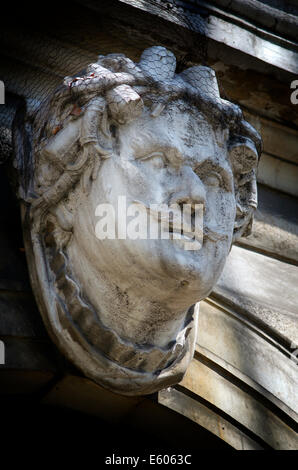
{"x":207,"y":418}
{"x":278,"y":174}
{"x":248,"y":352}
{"x":239,"y":405}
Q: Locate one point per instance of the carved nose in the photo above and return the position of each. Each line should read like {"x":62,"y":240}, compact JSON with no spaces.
{"x":190,"y":189}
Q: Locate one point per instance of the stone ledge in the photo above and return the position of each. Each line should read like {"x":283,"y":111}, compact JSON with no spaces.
{"x":252,"y":283}
{"x":239,"y":406}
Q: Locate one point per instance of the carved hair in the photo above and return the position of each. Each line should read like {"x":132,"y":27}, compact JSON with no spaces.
{"x":72,"y":131}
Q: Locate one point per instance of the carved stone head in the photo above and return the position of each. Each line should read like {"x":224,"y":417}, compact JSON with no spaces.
{"x":122,"y":309}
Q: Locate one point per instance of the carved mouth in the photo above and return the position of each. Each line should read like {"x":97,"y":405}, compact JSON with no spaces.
{"x":188,"y":232}
{"x":192,"y":236}
{"x":187,"y":235}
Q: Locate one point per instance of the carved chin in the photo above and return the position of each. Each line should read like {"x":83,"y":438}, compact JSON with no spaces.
{"x":121,"y":366}
{"x":200,"y":269}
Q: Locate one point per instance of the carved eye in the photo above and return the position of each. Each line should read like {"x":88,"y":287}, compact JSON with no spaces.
{"x":155,"y":160}
{"x":213,"y":179}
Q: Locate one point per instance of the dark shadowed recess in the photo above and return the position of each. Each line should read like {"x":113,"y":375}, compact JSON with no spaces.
{"x":52,"y":429}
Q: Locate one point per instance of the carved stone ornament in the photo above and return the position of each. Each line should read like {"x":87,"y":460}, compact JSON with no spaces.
{"x":123,"y":310}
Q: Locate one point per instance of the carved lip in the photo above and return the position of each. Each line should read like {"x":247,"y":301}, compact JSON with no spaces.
{"x":188,"y":233}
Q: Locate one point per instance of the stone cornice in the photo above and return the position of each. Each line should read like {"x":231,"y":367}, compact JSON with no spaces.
{"x":253,"y":38}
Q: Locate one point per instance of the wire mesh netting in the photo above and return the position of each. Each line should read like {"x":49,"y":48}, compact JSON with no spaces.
{"x":40,"y":48}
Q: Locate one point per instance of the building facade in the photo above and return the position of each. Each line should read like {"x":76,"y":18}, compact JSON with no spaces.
{"x":239,"y":391}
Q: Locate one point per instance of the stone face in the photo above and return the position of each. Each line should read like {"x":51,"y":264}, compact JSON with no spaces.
{"x":120,"y":308}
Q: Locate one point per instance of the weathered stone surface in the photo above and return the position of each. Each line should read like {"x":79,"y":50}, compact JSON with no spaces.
{"x":264,"y":287}
{"x":238,"y":404}
{"x":275,"y":226}
{"x":207,"y":418}
{"x":278,"y":174}
{"x":137,"y":131}
{"x":266,"y":102}
{"x":278,"y":140}
{"x":246,"y":347}
{"x":219,"y":28}
{"x":275,"y":16}
{"x":177,"y":431}
{"x":275,"y":237}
